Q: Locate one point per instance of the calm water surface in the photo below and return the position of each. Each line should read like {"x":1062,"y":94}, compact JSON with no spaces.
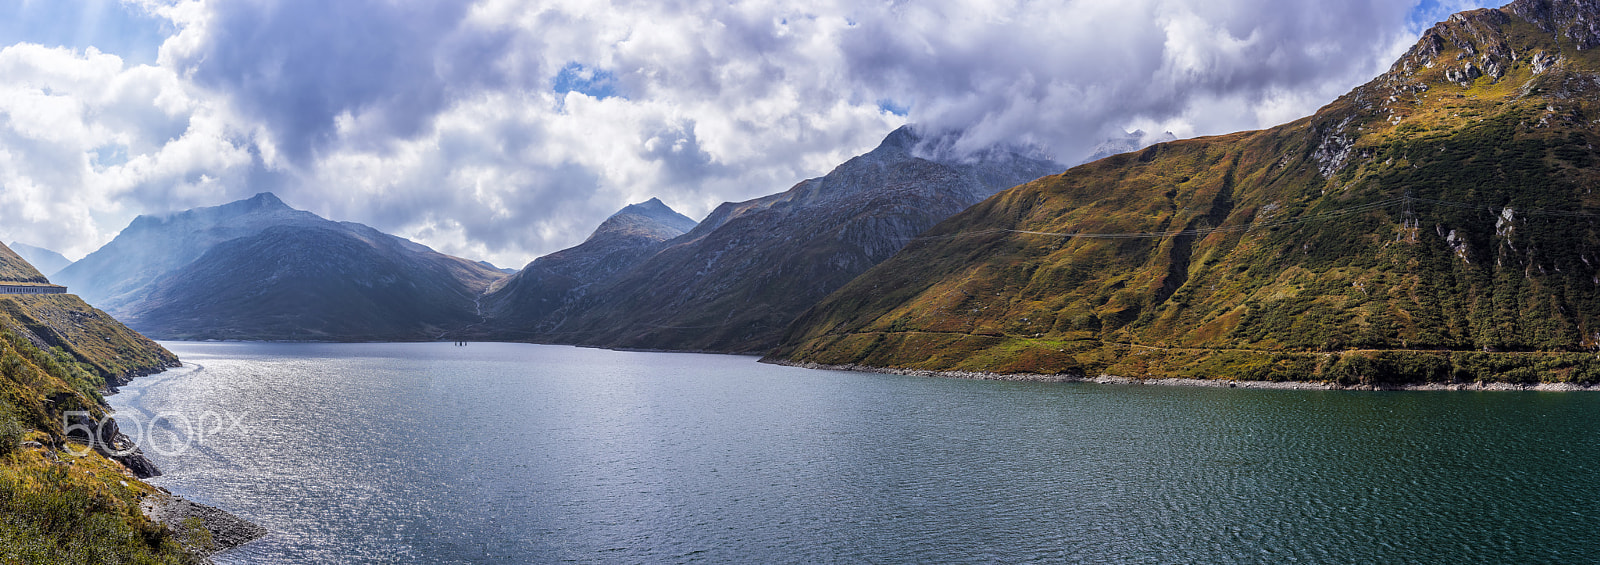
{"x":509,"y":453}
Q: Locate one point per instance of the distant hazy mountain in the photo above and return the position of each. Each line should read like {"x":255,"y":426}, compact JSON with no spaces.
{"x":737,"y":279}
{"x":522,"y":304}
{"x":1133,"y":141}
{"x":258,"y":269}
{"x":492,"y":267}
{"x":47,"y":261}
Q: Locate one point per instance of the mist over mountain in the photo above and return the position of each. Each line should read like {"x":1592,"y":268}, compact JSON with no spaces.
{"x":153,"y":245}
{"x":1132,"y":141}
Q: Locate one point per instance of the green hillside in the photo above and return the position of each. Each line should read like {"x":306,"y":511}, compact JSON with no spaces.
{"x":63,"y":503}
{"x":1435,"y":224}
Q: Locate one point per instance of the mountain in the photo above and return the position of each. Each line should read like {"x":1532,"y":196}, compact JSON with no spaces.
{"x":1128,"y":142}
{"x":155,"y":245}
{"x":490,"y":266}
{"x":1435,"y":224}
{"x":45,"y":260}
{"x":258,"y":269}
{"x":736,"y":280}
{"x":526,"y":303}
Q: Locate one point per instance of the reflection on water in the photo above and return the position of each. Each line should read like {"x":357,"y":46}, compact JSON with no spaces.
{"x":511,"y":453}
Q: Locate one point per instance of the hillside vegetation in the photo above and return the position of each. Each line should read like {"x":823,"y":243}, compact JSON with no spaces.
{"x":1436,"y":224}
{"x":64,"y":503}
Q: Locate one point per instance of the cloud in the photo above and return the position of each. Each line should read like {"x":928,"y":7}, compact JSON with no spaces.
{"x":505,"y":129}
{"x":1067,"y":74}
{"x":82,"y":135}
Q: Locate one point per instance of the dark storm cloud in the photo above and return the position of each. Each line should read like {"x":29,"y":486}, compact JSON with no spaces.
{"x":297,"y":65}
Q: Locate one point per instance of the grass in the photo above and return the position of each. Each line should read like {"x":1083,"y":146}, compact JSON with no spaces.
{"x":61,"y":503}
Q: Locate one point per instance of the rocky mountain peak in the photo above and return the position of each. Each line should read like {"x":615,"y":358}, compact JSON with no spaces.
{"x":652,"y":219}
{"x":266,"y":199}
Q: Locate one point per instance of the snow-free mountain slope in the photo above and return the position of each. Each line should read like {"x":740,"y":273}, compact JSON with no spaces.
{"x":1408,"y":231}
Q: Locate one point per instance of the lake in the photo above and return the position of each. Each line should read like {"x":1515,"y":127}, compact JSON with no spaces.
{"x":515,"y":453}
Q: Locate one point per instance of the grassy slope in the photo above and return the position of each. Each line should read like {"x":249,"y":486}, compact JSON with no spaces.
{"x":64,"y":503}
{"x":1347,"y":290}
{"x":56,"y":354}
{"x":14,"y":269}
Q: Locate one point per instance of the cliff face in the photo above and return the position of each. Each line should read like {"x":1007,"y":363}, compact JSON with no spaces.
{"x":1444,"y":206}
{"x":535,"y":298}
{"x":738,"y":278}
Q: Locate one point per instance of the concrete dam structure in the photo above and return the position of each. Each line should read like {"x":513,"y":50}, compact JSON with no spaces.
{"x":25,"y":288}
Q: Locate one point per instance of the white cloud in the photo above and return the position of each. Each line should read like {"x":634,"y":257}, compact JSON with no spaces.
{"x":443,"y":121}
{"x":82,"y":135}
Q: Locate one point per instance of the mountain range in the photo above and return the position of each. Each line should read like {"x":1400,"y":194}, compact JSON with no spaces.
{"x":737,"y":279}
{"x":1435,"y":224}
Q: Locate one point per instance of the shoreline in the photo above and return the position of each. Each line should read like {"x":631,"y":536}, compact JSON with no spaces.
{"x":177,"y":513}
{"x":1200,"y":383}
{"x":227,"y":530}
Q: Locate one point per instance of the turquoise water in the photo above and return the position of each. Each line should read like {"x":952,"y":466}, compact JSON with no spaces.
{"x":511,"y":453}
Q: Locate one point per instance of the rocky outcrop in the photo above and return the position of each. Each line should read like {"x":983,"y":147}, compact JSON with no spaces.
{"x":224,"y":531}
{"x":106,"y":438}
{"x":1577,"y":20}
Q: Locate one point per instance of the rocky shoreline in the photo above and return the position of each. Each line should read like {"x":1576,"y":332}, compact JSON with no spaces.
{"x":1209,"y":383}
{"x":177,"y":514}
{"x":225,"y":530}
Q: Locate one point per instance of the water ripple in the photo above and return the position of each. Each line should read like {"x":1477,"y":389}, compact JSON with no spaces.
{"x":504,"y":453}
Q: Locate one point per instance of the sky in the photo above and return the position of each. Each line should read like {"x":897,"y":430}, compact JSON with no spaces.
{"x":507,"y":129}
